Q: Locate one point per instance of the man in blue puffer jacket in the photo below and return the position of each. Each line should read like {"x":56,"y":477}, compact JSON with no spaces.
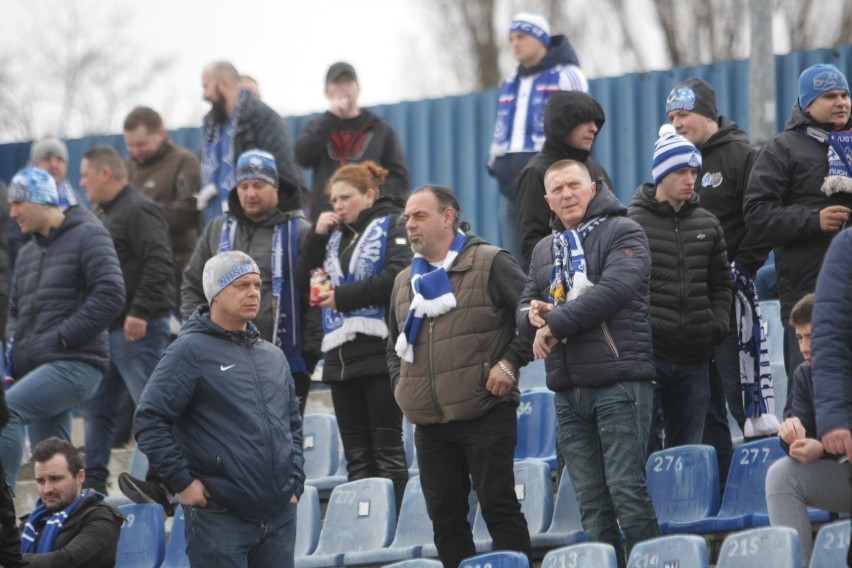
{"x":220,"y":421}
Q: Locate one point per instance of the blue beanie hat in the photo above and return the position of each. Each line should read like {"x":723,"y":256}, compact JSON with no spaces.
{"x":673,"y":152}
{"x":257,"y":164}
{"x":532,"y":24}
{"x":818,"y":79}
{"x":34,"y":185}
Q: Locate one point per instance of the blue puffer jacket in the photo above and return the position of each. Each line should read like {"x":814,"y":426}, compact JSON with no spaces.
{"x":221,"y":407}
{"x":605,"y":334}
{"x":68,"y":288}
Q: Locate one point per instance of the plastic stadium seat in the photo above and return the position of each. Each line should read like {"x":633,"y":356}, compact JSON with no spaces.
{"x":410,"y":449}
{"x":176,"y":548}
{"x":537,"y":427}
{"x":673,"y":550}
{"x":566,"y":526}
{"x":361,"y":515}
{"x":773,"y":328}
{"x":143,"y":536}
{"x":321,"y":445}
{"x":533,"y":376}
{"x":596,"y":554}
{"x":417,"y":563}
{"x":683,"y":483}
{"x":308,"y":521}
{"x":413,"y":531}
{"x":777,"y":547}
{"x":534,"y":489}
{"x":831,"y":544}
{"x":744,"y":501}
{"x":499,"y":559}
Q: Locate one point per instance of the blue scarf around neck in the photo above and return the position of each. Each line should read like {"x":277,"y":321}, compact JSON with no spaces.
{"x":568,"y":277}
{"x":52,"y":527}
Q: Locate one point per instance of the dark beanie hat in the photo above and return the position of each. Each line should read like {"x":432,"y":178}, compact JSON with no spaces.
{"x":693,"y":95}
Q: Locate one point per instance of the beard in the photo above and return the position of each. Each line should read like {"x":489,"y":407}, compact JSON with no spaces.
{"x":217,"y":107}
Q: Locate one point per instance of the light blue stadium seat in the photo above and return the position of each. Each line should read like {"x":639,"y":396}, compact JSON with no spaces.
{"x":537,"y":427}
{"x":596,"y":554}
{"x":142,"y":541}
{"x":773,"y":328}
{"x":533,"y":376}
{"x":683,"y":483}
{"x":566,"y":526}
{"x":744,"y":501}
{"x":410,"y":449}
{"x":308,"y":521}
{"x":831,"y":544}
{"x":673,"y":550}
{"x":413,"y":531}
{"x":499,"y":559}
{"x":361,"y":515}
{"x":777,"y":547}
{"x":321,"y":445}
{"x":417,"y":563}
{"x":176,"y":548}
{"x":534,"y":489}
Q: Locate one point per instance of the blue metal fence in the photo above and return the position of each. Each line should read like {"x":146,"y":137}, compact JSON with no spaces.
{"x":446,"y":140}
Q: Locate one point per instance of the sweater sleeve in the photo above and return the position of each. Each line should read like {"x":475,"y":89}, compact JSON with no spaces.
{"x":311,"y":144}
{"x":506,"y":285}
{"x":149,"y":239}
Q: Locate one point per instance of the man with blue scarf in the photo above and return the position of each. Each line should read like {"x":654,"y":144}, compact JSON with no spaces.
{"x":71,"y":527}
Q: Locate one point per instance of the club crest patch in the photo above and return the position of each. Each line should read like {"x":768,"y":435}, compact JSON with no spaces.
{"x":712,"y":179}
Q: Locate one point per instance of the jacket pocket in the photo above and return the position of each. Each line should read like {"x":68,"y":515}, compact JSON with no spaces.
{"x":609,"y":340}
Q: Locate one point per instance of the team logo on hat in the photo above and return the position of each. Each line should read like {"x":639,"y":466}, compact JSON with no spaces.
{"x":693,"y":161}
{"x":681,"y":99}
{"x":828,"y":81}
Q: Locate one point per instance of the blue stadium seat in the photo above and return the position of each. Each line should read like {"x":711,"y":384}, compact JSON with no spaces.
{"x":537,"y":427}
{"x":413,"y":531}
{"x":417,"y":563}
{"x":321,"y":445}
{"x":683,"y":483}
{"x":744,"y":501}
{"x":142,"y":541}
{"x":673,"y":550}
{"x":533,"y":376}
{"x":777,"y":547}
{"x":831,"y":544}
{"x":410,"y":449}
{"x":566,"y":526}
{"x":308,"y":521}
{"x":361,"y":515}
{"x":597,"y":554}
{"x":176,"y":548}
{"x":499,"y":559}
{"x":534,"y":489}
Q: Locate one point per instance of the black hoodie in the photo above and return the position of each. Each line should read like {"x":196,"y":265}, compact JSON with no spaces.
{"x":565,"y":111}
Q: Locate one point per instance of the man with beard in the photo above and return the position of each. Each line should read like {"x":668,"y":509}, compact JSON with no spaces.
{"x":237,"y":122}
{"x":572,"y":120}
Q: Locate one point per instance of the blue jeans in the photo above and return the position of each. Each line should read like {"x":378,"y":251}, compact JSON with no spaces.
{"x":215,"y":537}
{"x":682,"y":392}
{"x":131,"y":363}
{"x":603,"y":434}
{"x":43,"y":398}
{"x":507,"y":169}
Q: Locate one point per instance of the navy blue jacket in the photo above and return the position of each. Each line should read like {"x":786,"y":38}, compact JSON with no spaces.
{"x":221,"y":407}
{"x":604,"y":336}
{"x":68,"y":289}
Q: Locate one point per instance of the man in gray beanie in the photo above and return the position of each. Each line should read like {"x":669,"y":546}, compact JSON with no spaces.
{"x":220,"y":421}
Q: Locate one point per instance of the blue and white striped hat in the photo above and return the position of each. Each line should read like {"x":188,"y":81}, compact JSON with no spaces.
{"x":673,"y":152}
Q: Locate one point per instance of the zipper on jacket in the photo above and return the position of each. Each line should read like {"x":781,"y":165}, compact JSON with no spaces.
{"x":431,"y":366}
{"x":265,"y":418}
{"x":682,"y":273}
{"x":609,"y":340}
{"x":342,"y":362}
{"x":38,"y":286}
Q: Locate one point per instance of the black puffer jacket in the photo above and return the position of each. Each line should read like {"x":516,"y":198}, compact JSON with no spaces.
{"x":782,"y":205}
{"x":365,"y":355}
{"x":564,"y":111}
{"x":727,"y":160}
{"x":604,"y":335}
{"x":690,"y":276}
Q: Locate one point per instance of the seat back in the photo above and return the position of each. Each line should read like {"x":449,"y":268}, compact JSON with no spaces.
{"x":536,"y":426}
{"x":176,"y":548}
{"x":321,"y":445}
{"x":767,"y":546}
{"x":142,"y":541}
{"x":416,"y":563}
{"x":410,"y":449}
{"x":414,"y":527}
{"x":566,"y":510}
{"x":745,"y":491}
{"x":533,"y":376}
{"x":674,"y":550}
{"x":499,"y":559}
{"x":308,"y":521}
{"x":831,"y":544}
{"x":683,"y":483}
{"x":361,"y":515}
{"x":597,"y":554}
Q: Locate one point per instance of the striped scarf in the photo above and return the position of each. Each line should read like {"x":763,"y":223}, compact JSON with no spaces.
{"x":568,"y":279}
{"x":52,"y":527}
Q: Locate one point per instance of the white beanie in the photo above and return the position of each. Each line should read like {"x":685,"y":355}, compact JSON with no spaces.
{"x":221,"y":270}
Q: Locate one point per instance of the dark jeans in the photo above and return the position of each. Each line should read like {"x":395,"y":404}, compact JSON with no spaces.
{"x":450,"y":455}
{"x":682,"y":392}
{"x":603,"y":436}
{"x":370,"y":424}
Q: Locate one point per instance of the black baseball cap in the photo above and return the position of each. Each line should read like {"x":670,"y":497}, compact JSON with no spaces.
{"x":338,"y":69}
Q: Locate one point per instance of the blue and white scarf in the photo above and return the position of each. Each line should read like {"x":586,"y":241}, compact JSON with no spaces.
{"x":368,"y":259}
{"x":52,"y":527}
{"x":838,"y":155}
{"x":755,"y":369}
{"x":286,"y":306}
{"x":568,"y":278}
{"x":433,"y":296}
{"x":217,"y":167}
